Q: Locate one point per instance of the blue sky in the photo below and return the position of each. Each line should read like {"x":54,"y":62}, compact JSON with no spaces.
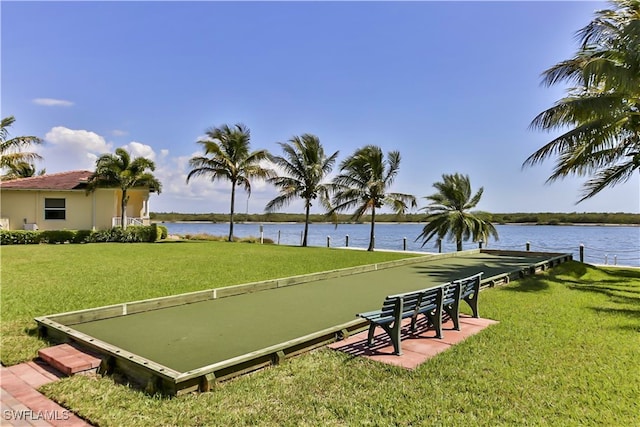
{"x":452,"y":85}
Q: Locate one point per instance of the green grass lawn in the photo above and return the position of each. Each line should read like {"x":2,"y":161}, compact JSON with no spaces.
{"x":564,"y":353}
{"x":47,"y":279}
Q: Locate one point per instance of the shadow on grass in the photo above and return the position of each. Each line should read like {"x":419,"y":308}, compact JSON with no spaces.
{"x":618,"y":311}
{"x":529,"y":284}
{"x":613,"y":292}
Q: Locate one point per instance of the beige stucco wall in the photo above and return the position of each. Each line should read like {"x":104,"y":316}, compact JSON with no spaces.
{"x":135,"y":203}
{"x":83,"y":212}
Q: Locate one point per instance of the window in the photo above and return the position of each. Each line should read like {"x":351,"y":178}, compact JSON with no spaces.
{"x":54,"y":209}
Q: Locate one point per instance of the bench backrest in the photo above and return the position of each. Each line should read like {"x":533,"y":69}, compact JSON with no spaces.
{"x":408,"y":302}
{"x":389,"y":306}
{"x":470,"y":285}
{"x":412,"y":302}
{"x":431,"y":298}
{"x":451,"y":293}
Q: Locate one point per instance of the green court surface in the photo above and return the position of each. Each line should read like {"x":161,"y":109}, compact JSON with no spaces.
{"x":191,"y":336}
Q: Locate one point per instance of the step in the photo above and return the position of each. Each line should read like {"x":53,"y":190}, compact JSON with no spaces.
{"x":69,"y":360}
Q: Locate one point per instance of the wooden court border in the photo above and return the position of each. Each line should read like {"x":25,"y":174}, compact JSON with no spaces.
{"x":156,"y":378}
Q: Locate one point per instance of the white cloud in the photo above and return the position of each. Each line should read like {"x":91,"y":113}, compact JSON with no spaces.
{"x":52,"y":102}
{"x":137,"y":149}
{"x":77,"y":139}
{"x":72,"y":149}
{"x":118,"y":132}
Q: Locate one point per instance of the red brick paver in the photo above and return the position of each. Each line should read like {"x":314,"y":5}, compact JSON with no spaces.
{"x":68,"y":359}
{"x":416,"y":348}
{"x":23,"y":405}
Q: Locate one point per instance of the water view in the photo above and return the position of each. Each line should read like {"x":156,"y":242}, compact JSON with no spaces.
{"x":602,"y":244}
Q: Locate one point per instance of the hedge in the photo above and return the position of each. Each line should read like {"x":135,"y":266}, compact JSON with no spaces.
{"x":131,"y":234}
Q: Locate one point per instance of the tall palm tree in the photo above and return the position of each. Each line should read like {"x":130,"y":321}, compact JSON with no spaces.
{"x":11,"y":154}
{"x":448,"y":213}
{"x":364,"y":182}
{"x":120,"y":171}
{"x":21,"y":170}
{"x":227,"y":156}
{"x":602,"y":110}
{"x":305,"y":166}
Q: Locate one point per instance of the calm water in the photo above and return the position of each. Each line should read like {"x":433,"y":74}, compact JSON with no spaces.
{"x":602,"y":244}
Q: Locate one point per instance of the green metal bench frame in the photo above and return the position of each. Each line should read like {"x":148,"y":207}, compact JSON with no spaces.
{"x":395,"y":308}
{"x":432,"y":303}
{"x":470,"y":290}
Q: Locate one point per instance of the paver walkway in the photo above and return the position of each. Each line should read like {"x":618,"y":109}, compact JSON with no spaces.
{"x":23,"y":405}
{"x":416,"y":347}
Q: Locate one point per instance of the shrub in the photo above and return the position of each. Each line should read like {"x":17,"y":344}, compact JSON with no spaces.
{"x":132,"y":234}
{"x":164,"y":232}
{"x":82,"y":236}
{"x":141,"y":233}
{"x":57,"y":236}
{"x":19,"y":237}
{"x":116,"y":234}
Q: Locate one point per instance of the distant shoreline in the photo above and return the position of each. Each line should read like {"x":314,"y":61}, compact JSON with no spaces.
{"x":522,"y":218}
{"x":392,"y":223}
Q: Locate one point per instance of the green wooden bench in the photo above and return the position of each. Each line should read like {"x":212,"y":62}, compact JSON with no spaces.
{"x":395,"y":308}
{"x":433,"y":303}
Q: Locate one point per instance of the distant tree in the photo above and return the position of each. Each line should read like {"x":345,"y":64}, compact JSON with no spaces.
{"x":600,"y":116}
{"x":119,"y":171}
{"x":305,"y":165}
{"x":227,"y":156}
{"x":363,"y":184}
{"x":22,"y":170}
{"x":11,"y":155}
{"x":448,"y":213}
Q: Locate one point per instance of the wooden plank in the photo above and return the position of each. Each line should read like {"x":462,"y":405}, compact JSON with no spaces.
{"x":89,"y":315}
{"x":164,"y":302}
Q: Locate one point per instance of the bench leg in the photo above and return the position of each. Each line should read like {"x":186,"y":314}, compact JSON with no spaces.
{"x":372,"y":329}
{"x":394,"y":333}
{"x":435,"y":320}
{"x":453,"y":311}
{"x":473,"y":303}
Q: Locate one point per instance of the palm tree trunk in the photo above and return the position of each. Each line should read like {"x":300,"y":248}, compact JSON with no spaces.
{"x":123,"y":209}
{"x":306,"y":225}
{"x":233,"y":203}
{"x":458,"y":245}
{"x":372,"y":235}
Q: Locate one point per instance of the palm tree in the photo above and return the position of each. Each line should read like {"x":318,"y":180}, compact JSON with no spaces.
{"x":21,"y":170}
{"x":227,"y":156}
{"x":11,"y":155}
{"x":363,"y":184}
{"x":602,"y":110}
{"x":118,"y":170}
{"x":448,"y":213}
{"x":305,"y":165}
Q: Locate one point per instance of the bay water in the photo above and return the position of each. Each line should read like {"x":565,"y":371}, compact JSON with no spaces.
{"x":603,"y":244}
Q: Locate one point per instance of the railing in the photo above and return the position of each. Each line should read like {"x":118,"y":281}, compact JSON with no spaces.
{"x":116,"y":221}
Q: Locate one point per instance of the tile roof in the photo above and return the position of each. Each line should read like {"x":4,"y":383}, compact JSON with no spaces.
{"x":72,"y":180}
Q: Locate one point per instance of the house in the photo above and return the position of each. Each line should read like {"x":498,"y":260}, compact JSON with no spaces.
{"x":59,"y":201}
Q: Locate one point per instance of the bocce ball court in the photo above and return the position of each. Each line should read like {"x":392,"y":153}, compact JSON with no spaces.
{"x":187,"y":342}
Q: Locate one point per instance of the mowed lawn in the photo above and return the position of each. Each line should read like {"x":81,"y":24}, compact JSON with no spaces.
{"x":564,"y":353}
{"x":47,"y":279}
